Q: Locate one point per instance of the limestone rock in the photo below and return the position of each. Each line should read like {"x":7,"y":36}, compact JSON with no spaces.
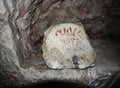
{"x":67,"y":46}
{"x":22,"y":24}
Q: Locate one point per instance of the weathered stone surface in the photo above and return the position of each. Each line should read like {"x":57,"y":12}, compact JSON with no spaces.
{"x":67,"y":46}
{"x":23,"y":22}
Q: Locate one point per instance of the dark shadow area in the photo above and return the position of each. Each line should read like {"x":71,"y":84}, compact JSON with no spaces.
{"x":64,"y":84}
{"x":57,"y":84}
{"x":116,"y":84}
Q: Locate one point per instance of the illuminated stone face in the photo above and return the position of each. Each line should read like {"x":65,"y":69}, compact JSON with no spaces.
{"x":67,"y":46}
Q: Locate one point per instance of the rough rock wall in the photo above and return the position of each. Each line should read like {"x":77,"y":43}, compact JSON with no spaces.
{"x":23,"y":22}
{"x":28,"y":19}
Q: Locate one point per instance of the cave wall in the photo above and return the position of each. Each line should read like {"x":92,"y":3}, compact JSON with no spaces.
{"x":28,"y":19}
{"x":23,"y":22}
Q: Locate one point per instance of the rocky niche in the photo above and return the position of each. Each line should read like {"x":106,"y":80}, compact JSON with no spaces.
{"x":31,"y":42}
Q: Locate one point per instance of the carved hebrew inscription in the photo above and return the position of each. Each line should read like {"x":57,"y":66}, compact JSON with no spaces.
{"x":67,"y":46}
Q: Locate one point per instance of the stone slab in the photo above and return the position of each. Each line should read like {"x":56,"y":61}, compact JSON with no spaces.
{"x":67,"y":46}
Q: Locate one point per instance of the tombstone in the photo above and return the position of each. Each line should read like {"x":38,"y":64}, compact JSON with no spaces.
{"x":67,"y":46}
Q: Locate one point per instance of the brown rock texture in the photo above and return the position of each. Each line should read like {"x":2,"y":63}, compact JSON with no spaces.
{"x":22,"y":25}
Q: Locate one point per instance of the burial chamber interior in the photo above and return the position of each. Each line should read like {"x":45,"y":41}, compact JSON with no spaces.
{"x":23,"y":65}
